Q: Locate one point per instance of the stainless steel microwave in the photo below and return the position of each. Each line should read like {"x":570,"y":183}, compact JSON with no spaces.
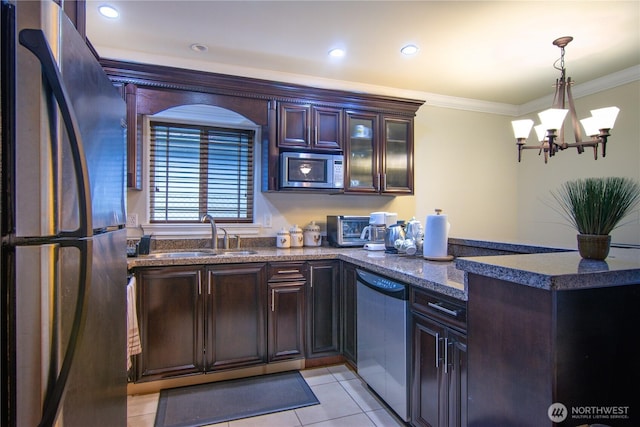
{"x":311,"y":170}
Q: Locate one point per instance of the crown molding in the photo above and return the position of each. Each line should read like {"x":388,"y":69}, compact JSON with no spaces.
{"x":607,"y":82}
{"x":432,"y":99}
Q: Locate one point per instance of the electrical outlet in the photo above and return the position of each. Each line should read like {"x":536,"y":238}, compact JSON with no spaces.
{"x":266,"y":221}
{"x":132,"y":220}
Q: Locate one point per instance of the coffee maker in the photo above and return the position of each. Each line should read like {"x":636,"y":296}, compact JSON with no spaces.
{"x":374,"y":233}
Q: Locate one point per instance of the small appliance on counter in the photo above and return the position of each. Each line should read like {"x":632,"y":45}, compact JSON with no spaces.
{"x":393,"y":234}
{"x":374,"y":233}
{"x":345,"y":230}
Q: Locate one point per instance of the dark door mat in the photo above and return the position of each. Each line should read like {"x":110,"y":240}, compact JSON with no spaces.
{"x":233,"y":399}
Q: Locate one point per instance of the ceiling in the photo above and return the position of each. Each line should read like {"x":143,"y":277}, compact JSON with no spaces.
{"x":498,"y":51}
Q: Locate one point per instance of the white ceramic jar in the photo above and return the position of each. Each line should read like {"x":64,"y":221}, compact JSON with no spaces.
{"x":283,"y":239}
{"x":312,"y":235}
{"x":296,"y":236}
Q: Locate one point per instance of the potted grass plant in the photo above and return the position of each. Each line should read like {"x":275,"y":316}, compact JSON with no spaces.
{"x":595,"y":207}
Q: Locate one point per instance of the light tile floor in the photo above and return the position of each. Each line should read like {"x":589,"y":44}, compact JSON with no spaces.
{"x":345,"y":401}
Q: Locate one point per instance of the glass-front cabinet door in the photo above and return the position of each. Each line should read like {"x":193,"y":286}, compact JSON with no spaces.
{"x":361,"y":153}
{"x":397,"y":158}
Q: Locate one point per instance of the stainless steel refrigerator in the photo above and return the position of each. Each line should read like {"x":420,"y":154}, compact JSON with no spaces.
{"x":62,"y":217}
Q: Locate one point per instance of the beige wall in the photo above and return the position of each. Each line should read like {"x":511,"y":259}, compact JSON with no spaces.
{"x":464,"y":167}
{"x":537,"y":221}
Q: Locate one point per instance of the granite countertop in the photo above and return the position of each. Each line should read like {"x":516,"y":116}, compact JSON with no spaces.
{"x":544,"y":268}
{"x":560,"y":270}
{"x":442,"y":277}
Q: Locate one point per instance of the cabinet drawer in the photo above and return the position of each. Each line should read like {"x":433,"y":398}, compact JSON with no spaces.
{"x":287,"y":271}
{"x":447,"y":310}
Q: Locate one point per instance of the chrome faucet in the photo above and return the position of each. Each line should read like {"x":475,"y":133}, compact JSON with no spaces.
{"x":214,"y":231}
{"x":225,"y":239}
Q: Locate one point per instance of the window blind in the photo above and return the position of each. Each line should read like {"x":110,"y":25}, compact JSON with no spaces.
{"x":195,"y":170}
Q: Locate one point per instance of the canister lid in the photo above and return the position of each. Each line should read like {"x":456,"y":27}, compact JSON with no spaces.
{"x":312,"y":227}
{"x":283,"y":231}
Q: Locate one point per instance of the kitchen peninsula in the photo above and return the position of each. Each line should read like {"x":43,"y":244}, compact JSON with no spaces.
{"x":542,"y":325}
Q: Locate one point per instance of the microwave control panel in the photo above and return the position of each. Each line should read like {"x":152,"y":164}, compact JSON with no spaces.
{"x":338,"y":173}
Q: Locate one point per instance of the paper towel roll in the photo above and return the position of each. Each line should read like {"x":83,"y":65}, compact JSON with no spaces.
{"x":436,"y":234}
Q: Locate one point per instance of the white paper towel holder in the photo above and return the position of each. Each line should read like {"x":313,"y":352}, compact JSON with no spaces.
{"x":439,"y":258}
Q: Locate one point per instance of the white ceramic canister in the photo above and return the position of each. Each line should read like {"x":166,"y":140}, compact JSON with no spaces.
{"x":283,"y":239}
{"x":297,"y":239}
{"x":312,"y":235}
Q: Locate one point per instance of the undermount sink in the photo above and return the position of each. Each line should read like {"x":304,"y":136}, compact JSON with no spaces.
{"x":181,"y":254}
{"x":237,"y":252}
{"x":193,"y":254}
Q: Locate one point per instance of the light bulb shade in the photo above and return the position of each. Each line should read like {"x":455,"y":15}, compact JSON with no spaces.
{"x":522,"y":128}
{"x":541,"y":132}
{"x":590,"y":127}
{"x":552,"y":118}
{"x":604,"y":118}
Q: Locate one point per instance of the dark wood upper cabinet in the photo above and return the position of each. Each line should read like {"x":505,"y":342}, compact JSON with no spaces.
{"x":309,"y":127}
{"x":378,"y":154}
{"x":291,"y":117}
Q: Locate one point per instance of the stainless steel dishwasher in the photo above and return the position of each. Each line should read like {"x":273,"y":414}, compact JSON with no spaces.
{"x":382,"y":320}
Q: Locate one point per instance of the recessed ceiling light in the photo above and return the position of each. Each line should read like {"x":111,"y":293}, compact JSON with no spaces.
{"x":409,"y":50}
{"x":337,"y":52}
{"x":108,"y":11}
{"x":197,"y":47}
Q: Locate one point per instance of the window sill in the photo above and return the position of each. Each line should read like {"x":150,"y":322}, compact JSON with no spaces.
{"x":195,"y":231}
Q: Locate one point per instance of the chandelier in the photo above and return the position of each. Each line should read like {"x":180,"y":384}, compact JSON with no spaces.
{"x":596,"y":127}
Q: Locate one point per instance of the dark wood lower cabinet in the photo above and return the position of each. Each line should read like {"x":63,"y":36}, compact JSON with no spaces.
{"x":286,"y":287}
{"x":323,"y":309}
{"x":348,"y":313}
{"x":171,"y":319}
{"x":235,"y":307}
{"x":286,"y":320}
{"x":439,"y":382}
{"x":196,"y":319}
{"x":530,"y":348}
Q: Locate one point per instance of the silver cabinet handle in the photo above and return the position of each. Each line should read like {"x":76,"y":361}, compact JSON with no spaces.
{"x":273,"y":299}
{"x":288,"y":271}
{"x":311,"y":277}
{"x":437,"y":350}
{"x":199,"y":283}
{"x":438,"y":306}
{"x":446,"y":353}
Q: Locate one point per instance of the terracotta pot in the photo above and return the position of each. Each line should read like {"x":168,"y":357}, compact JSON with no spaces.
{"x":594,"y":246}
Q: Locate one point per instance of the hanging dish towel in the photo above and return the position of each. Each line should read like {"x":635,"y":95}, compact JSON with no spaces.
{"x":133,"y":334}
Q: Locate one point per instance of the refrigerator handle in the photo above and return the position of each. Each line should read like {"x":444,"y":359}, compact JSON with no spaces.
{"x":55,"y":391}
{"x":35,"y":41}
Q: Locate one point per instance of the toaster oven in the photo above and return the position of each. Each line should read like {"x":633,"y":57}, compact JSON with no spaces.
{"x":345,"y":230}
